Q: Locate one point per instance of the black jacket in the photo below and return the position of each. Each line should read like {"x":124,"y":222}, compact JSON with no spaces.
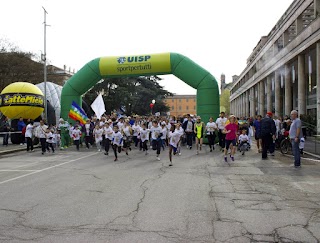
{"x":268,"y":126}
{"x":185,"y":124}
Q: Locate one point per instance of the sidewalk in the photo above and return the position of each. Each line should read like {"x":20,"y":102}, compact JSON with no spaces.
{"x":12,"y":148}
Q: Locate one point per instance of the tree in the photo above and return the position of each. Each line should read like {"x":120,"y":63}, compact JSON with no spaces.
{"x":134,"y":94}
{"x":225,"y":100}
{"x":18,"y":66}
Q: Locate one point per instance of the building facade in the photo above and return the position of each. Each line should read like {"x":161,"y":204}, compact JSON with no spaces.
{"x":58,"y":75}
{"x":283,"y":71}
{"x":182,"y":104}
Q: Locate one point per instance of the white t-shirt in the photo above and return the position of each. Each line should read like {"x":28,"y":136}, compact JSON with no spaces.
{"x":144,"y":134}
{"x":174,"y":138}
{"x":108,"y":132}
{"x":221,"y":122}
{"x":126,"y":131}
{"x":49,"y":137}
{"x":70,"y":131}
{"x":87,"y":127}
{"x":189,"y":127}
{"x":42,"y":131}
{"x":76,"y":134}
{"x":136,"y":129}
{"x":211,"y":126}
{"x":117,"y":138}
{"x":155,"y":132}
{"x":180,"y":130}
{"x":243,"y":138}
{"x":29,"y":130}
{"x":164,"y":132}
{"x":120,"y":125}
{"x":98,"y":134}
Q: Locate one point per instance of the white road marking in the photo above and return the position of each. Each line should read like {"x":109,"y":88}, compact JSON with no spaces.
{"x":41,"y":161}
{"x":16,"y":170}
{"x":48,"y":168}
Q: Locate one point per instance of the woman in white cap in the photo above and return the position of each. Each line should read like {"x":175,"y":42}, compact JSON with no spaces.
{"x":230,"y":130}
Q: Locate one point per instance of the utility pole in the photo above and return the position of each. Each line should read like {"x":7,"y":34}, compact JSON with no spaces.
{"x":44,"y":59}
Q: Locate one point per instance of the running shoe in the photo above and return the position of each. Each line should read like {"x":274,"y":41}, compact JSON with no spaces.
{"x":225,"y":159}
{"x":232,"y":158}
{"x":158,"y":158}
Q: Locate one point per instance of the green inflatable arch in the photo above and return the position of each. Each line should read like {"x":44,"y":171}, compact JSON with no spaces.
{"x":208,"y":102}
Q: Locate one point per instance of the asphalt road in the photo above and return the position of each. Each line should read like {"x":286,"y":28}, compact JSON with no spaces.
{"x":87,"y":197}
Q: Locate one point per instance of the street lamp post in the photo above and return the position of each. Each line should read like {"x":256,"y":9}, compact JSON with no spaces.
{"x":44,"y":59}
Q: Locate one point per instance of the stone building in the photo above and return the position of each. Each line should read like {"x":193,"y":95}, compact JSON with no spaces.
{"x":182,"y":104}
{"x":283,"y":71}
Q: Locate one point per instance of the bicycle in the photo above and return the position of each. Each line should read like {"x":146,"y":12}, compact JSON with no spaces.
{"x":285,"y":145}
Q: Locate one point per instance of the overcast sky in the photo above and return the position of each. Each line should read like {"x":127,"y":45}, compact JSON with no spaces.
{"x":218,"y":35}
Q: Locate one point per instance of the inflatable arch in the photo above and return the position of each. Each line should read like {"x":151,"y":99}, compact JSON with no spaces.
{"x":208,"y":103}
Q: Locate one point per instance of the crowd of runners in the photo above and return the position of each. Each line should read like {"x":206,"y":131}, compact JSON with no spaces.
{"x":115,"y":135}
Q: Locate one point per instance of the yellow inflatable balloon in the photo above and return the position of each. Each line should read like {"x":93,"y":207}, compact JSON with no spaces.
{"x":21,"y":99}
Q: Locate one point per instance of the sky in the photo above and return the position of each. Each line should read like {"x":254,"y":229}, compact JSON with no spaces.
{"x":217,"y":35}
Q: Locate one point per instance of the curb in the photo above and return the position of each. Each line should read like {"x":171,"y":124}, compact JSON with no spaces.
{"x":10,"y":151}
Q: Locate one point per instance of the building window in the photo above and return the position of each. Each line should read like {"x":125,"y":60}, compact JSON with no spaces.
{"x":179,"y":108}
{"x":194,"y":107}
{"x":187,"y":108}
{"x":187,"y":100}
{"x":172,"y":100}
{"x":179,"y":100}
{"x":194,"y":100}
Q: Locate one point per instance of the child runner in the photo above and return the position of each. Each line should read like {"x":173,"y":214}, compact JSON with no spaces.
{"x":211,"y":133}
{"x":87,"y":130}
{"x":108,"y":133}
{"x":97,"y":132}
{"x":135,"y":128}
{"x":126,"y":133}
{"x":156,"y":137}
{"x":164,"y":132}
{"x":180,"y":130}
{"x":174,"y":137}
{"x":144,"y":136}
{"x":198,"y":130}
{"x":243,"y":141}
{"x":231,"y":135}
{"x":116,"y":141}
{"x":76,"y":135}
{"x":49,"y":137}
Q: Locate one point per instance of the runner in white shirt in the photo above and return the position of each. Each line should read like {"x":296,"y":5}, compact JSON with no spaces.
{"x":41,"y":132}
{"x":174,"y":138}
{"x":116,"y":141}
{"x":144,"y":138}
{"x":164,"y":132}
{"x":211,"y":133}
{"x":156,"y":137}
{"x":135,"y":129}
{"x":108,"y":131}
{"x":126,"y":133}
{"x":49,"y":137}
{"x":28,"y":135}
{"x":180,"y":130}
{"x":221,"y":123}
{"x":97,"y":132}
{"x":76,"y":134}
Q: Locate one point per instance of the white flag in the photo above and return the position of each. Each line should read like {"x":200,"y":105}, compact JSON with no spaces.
{"x":98,"y":106}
